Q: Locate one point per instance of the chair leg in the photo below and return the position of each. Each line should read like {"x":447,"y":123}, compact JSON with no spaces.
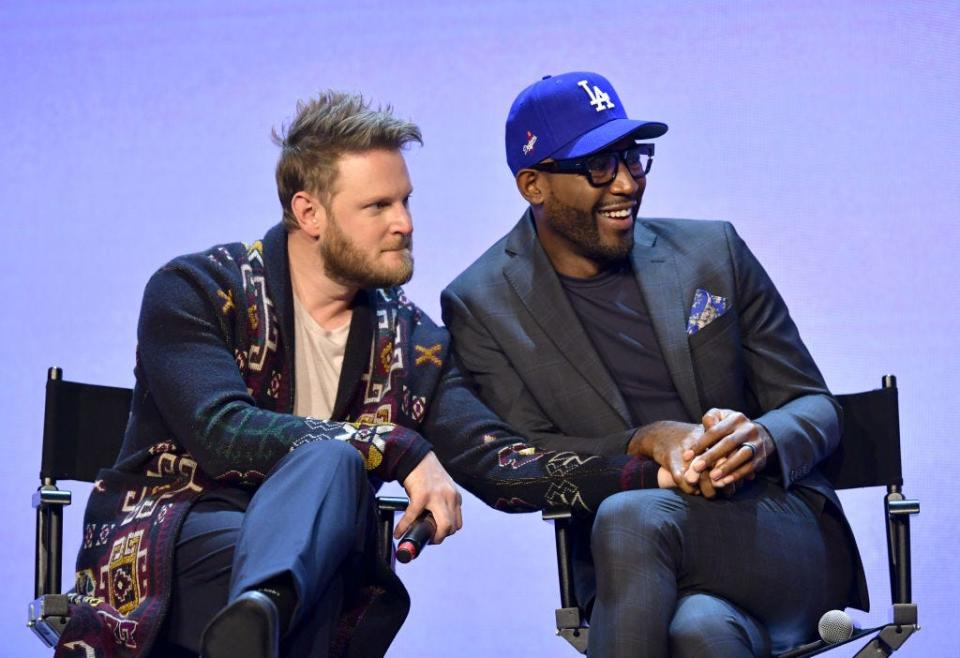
{"x":898,"y":511}
{"x":48,"y":613}
{"x":49,"y":502}
{"x":570,"y":622}
{"x":387,"y":507}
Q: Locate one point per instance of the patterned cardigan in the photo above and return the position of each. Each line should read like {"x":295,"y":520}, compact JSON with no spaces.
{"x":212,"y":407}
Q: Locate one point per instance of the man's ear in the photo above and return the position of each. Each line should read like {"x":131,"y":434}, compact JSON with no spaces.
{"x":310,"y":213}
{"x":532,"y":185}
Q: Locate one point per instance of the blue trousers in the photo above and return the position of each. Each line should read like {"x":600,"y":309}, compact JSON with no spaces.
{"x":308,"y":519}
{"x":682,"y":576}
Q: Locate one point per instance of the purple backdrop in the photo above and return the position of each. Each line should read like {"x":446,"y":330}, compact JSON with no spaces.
{"x":826,"y":131}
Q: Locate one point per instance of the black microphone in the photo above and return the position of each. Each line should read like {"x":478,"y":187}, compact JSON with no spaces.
{"x":416,"y":537}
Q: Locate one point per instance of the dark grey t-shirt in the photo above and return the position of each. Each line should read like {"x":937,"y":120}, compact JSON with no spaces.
{"x":611,"y":308}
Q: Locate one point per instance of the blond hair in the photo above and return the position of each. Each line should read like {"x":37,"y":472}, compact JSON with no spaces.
{"x":325,"y":128}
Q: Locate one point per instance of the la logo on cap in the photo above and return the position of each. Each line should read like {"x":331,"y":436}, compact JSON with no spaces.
{"x":531,"y":142}
{"x":599,"y":99}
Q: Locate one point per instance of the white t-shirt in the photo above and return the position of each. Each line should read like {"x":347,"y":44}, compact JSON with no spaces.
{"x":318,"y":361}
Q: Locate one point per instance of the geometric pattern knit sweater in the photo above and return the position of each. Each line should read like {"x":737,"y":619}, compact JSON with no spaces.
{"x":212,"y":407}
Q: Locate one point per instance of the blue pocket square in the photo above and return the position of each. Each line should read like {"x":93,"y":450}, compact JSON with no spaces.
{"x":706,"y":308}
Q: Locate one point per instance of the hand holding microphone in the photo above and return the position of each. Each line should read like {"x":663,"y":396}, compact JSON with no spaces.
{"x":434,"y":510}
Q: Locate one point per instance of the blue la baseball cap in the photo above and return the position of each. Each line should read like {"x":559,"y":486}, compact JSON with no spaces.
{"x":569,"y":116}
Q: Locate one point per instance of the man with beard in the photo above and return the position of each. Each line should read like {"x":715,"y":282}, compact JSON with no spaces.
{"x":277,"y":385}
{"x":590,"y":330}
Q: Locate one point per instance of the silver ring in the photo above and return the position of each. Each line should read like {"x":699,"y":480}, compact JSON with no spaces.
{"x":753,"y":450}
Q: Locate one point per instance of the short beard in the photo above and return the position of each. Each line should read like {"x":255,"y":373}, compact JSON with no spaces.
{"x":581,"y":231}
{"x":346,"y":264}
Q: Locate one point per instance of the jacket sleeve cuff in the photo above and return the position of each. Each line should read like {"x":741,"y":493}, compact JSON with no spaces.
{"x":788,"y":474}
{"x":405,"y":450}
{"x":639,"y":473}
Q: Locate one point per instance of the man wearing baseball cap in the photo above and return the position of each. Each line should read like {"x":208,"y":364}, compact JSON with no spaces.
{"x":594,"y":331}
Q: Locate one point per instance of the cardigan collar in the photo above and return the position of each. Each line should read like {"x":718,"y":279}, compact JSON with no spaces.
{"x":356,"y":357}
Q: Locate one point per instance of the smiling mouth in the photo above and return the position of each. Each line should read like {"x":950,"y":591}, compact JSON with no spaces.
{"x":619,"y":213}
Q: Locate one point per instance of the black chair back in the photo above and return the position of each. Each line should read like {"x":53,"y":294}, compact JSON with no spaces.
{"x":869,"y":452}
{"x":83,"y":428}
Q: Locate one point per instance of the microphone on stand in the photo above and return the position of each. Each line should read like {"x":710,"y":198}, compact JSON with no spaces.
{"x":836,"y":627}
{"x":416,"y":537}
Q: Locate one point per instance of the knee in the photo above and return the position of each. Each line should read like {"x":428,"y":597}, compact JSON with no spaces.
{"x":333,"y":459}
{"x":705,"y":626}
{"x":638,"y":520}
{"x":348,"y":455}
{"x":316,"y":472}
{"x":332,"y":452}
{"x":692,"y":630}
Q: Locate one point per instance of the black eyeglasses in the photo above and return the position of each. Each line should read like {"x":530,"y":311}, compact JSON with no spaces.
{"x":601,"y":168}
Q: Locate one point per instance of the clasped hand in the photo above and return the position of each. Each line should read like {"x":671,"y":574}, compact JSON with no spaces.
{"x":707,"y":458}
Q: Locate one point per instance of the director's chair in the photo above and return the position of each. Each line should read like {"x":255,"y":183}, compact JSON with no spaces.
{"x":868,"y":456}
{"x":83,"y":429}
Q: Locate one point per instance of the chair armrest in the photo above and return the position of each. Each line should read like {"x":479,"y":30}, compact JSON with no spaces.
{"x":47,"y":616}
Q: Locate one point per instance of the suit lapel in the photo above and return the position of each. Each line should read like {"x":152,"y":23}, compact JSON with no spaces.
{"x":535,"y":282}
{"x":655,"y":267}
